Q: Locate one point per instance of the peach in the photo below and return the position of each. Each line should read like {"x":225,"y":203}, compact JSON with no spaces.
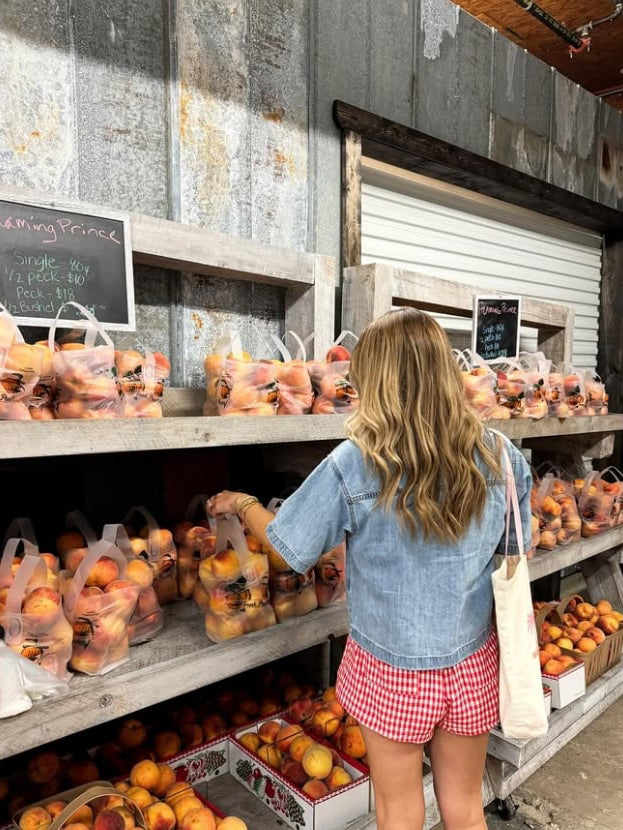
{"x":329,"y":694}
{"x":55,"y":808}
{"x":287,"y":734}
{"x":552,"y":649}
{"x":270,"y":755}
{"x":617,"y":616}
{"x":584,"y":626}
{"x":554,"y":632}
{"x":336,"y":707}
{"x":76,"y":825}
{"x":177,"y":792}
{"x":200,"y":819}
{"x":126,"y":587}
{"x":109,"y":820}
{"x":553,"y":667}
{"x":301,"y":710}
{"x":337,"y":760}
{"x":185,"y":805}
{"x":317,"y":761}
{"x":69,"y":540}
{"x":564,"y":642}
{"x":104,"y":571}
{"x":131,"y":733}
{"x":268,"y":731}
{"x":325,"y":722}
{"x":36,"y":818}
{"x":140,"y":796}
{"x":238,"y":718}
{"x":165,"y":781}
{"x":213,"y":725}
{"x":584,"y":611}
{"x":315,"y":788}
{"x":127,"y":816}
{"x":166,"y":745}
{"x":140,"y":572}
{"x":250,"y":741}
{"x":191,"y":735}
{"x":586,"y":645}
{"x":352,"y":742}
{"x":269,"y":706}
{"x":232,"y":823}
{"x":160,"y":816}
{"x":43,"y":767}
{"x":299,"y":746}
{"x":293,"y":771}
{"x":42,"y":603}
{"x":338,"y":777}
{"x":83,"y":815}
{"x":123,"y":786}
{"x":596,"y":634}
{"x":574,"y":634}
{"x":109,"y":802}
{"x":608,"y":624}
{"x":225,"y":565}
{"x":145,"y":774}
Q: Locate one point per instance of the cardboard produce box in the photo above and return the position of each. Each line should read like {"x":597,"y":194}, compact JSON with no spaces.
{"x":566,"y":687}
{"x":547,"y":694}
{"x":202,"y":763}
{"x":330,"y":812}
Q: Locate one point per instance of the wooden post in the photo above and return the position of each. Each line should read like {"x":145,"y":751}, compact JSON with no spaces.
{"x":351,"y":199}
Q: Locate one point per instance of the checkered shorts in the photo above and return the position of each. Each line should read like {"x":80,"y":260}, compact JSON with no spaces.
{"x":407,"y":705}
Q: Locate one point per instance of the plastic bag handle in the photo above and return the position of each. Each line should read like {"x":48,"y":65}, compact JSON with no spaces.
{"x":94,"y":554}
{"x":462,"y":360}
{"x":229,"y":529}
{"x":117,"y":535}
{"x":343,"y":335}
{"x":20,"y":528}
{"x":6,"y":562}
{"x":152,"y":524}
{"x":590,"y":478}
{"x":94,"y":791}
{"x":31,"y":564}
{"x":92,"y":330}
{"x":191,"y":510}
{"x":274,"y":505}
{"x":614,"y":472}
{"x":77,"y":519}
{"x":302,"y":352}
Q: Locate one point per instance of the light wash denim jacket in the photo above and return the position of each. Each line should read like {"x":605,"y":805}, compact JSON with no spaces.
{"x":414,"y":604}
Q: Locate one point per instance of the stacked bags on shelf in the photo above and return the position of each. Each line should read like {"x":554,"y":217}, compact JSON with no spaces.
{"x":76,"y":380}
{"x":529,"y":387}
{"x":238,"y":384}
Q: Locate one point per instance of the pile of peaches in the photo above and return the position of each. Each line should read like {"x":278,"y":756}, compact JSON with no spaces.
{"x":165,"y":804}
{"x":582,"y":628}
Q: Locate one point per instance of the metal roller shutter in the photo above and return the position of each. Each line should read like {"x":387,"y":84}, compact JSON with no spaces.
{"x":444,"y":231}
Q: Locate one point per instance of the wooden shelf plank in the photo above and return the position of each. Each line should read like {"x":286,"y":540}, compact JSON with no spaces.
{"x":564,"y":725}
{"x":32,"y":439}
{"x":547,"y":562}
{"x":180,"y":660}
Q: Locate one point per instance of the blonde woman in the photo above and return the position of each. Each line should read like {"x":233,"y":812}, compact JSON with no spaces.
{"x":418,"y":492}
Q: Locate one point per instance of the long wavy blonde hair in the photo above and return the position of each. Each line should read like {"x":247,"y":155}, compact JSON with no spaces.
{"x":414,"y":427}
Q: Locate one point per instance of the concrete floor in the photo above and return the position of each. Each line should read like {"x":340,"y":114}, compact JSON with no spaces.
{"x":579,"y":788}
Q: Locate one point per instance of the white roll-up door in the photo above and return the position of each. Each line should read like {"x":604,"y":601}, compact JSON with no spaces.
{"x":410,"y":222}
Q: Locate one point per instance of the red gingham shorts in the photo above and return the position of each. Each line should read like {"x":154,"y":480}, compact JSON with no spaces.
{"x":407,"y":705}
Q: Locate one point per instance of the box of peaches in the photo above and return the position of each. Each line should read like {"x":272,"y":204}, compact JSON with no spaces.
{"x":574,"y":632}
{"x":150,"y":799}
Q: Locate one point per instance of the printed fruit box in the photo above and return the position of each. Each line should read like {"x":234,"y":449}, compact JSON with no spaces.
{"x":288,"y":801}
{"x":566,"y":687}
{"x":202,"y":763}
{"x":547,"y":692}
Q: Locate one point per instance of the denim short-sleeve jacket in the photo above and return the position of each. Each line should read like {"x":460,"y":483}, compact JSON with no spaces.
{"x":414,"y":603}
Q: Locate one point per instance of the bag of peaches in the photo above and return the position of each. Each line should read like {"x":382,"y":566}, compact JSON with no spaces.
{"x":536,"y":368}
{"x":148,"y":617}
{"x":236,"y":384}
{"x":596,"y":395}
{"x":295,"y":393}
{"x":141,"y":382}
{"x":21,"y":528}
{"x":236,"y":583}
{"x":291,"y":594}
{"x":31,"y":612}
{"x":333,"y":391}
{"x":99,"y":602}
{"x":331,"y":577}
{"x":612,"y":478}
{"x":73,"y":543}
{"x":596,"y":499}
{"x":195,"y":539}
{"x":20,"y":370}
{"x":86,"y":385}
{"x":156,"y":546}
{"x":555,"y":507}
{"x":511,"y":386}
{"x":480,"y":385}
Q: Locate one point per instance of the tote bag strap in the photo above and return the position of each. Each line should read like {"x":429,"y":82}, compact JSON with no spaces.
{"x":512,"y":505}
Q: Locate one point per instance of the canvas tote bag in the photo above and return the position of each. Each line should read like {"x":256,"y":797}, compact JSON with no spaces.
{"x":522,"y":709}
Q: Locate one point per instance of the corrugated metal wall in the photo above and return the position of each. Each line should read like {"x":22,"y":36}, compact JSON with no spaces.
{"x":218,"y":113}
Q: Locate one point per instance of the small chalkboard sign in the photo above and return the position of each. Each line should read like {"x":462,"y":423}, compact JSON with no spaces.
{"x":495,"y":328}
{"x":50,"y":254}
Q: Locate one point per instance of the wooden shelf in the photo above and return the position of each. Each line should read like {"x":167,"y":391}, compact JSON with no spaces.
{"x":180,"y":660}
{"x":547,"y":562}
{"x":564,"y":725}
{"x":33,"y":439}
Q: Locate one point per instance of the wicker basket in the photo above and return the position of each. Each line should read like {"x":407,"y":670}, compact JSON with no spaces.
{"x":597,"y":662}
{"x":78,"y":797}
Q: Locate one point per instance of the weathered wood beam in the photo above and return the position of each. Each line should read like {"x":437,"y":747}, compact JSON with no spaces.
{"x":351,"y":199}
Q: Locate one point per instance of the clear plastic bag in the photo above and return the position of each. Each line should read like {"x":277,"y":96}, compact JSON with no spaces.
{"x":612,"y":479}
{"x":33,"y":619}
{"x":596,"y":395}
{"x":556,"y":508}
{"x":238,"y":385}
{"x":99,"y":602}
{"x":236,"y":582}
{"x":41,"y":401}
{"x":20,"y":370}
{"x":156,"y":545}
{"x":333,"y":391}
{"x":295,"y":387}
{"x":85,"y":373}
{"x":141,"y":382}
{"x":23,"y":682}
{"x":574,"y":387}
{"x":511,"y":386}
{"x":536,"y":369}
{"x":148,"y":618}
{"x":22,"y":528}
{"x":557,"y":405}
{"x":331,"y":577}
{"x":195,"y":540}
{"x":595,"y":504}
{"x":480,"y":385}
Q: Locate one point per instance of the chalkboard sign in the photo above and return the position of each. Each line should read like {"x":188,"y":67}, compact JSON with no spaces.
{"x":495,"y":329}
{"x":51,"y":254}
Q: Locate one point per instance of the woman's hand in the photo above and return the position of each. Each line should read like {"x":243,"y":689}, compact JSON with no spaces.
{"x":224,"y":502}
